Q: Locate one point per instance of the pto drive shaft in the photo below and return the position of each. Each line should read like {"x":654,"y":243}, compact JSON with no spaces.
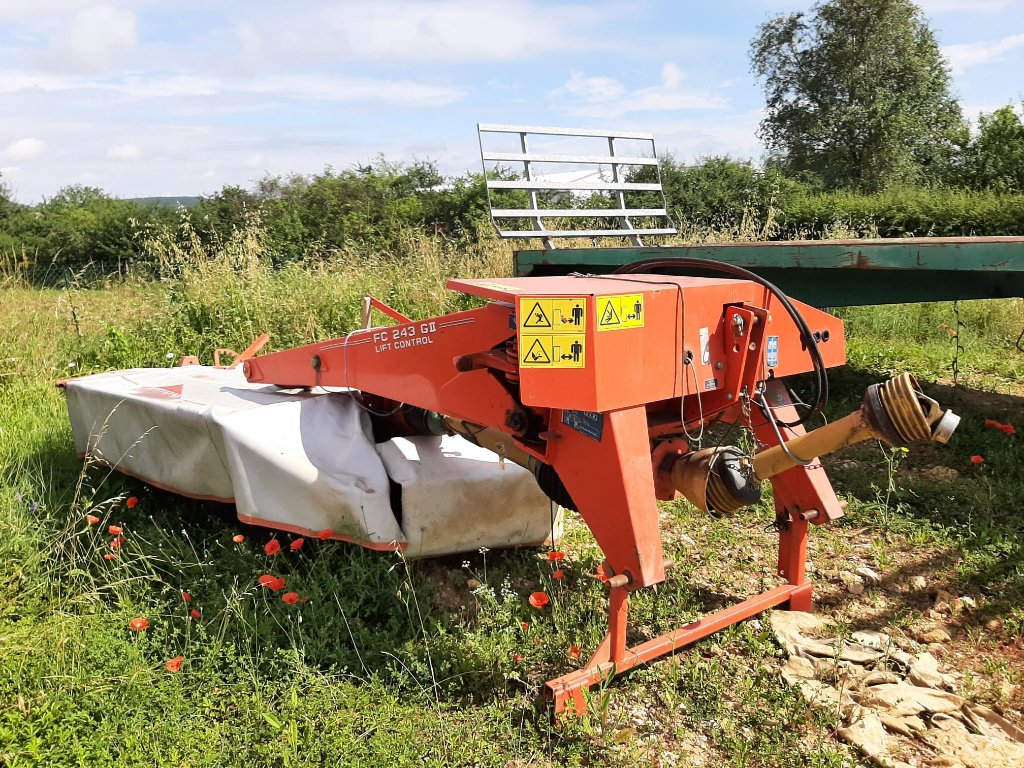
{"x":722,"y":480}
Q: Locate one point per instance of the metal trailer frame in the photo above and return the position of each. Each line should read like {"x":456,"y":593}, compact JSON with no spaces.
{"x":832,"y":273}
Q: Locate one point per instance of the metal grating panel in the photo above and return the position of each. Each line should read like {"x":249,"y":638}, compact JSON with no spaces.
{"x":573,"y":187}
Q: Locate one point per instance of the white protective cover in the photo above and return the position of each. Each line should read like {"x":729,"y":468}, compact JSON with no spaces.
{"x":303,"y":462}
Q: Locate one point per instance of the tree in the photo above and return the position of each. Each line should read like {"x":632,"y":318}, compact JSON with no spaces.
{"x":858,"y":93}
{"x":995,"y":158}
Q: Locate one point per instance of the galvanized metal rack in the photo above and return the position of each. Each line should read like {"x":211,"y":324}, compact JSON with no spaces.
{"x":597,"y":172}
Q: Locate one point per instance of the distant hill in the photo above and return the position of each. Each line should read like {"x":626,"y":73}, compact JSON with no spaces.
{"x":188,"y":202}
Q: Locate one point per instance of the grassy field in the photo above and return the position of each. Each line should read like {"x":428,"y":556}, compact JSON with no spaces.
{"x":413,"y":663}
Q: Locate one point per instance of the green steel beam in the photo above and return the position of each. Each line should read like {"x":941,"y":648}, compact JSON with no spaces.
{"x":833,"y":273}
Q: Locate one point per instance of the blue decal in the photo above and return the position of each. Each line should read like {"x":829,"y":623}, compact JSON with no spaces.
{"x":586,"y":423}
{"x":771,"y":353}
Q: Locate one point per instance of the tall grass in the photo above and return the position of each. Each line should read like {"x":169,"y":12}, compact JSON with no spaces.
{"x":228,"y":294}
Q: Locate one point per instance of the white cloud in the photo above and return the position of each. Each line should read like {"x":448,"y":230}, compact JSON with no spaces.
{"x":124,"y":152}
{"x":605,"y":97}
{"x":314,"y":87}
{"x":962,"y":56}
{"x":92,"y":39}
{"x":25,"y":149}
{"x":417,"y":30}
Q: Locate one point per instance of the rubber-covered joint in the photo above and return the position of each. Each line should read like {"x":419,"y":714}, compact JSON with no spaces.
{"x":877,"y":418}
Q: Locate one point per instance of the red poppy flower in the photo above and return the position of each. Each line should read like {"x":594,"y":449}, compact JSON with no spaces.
{"x":977,"y":459}
{"x":517,"y":658}
{"x":114,"y":530}
{"x":574,"y":651}
{"x":186,"y":596}
{"x":139,"y":624}
{"x":174,"y":665}
{"x":1007,"y":428}
{"x":196,"y":614}
{"x":326,"y":533}
{"x":116,"y":542}
{"x":271,"y":582}
{"x":536,"y":640}
{"x":525,"y":626}
{"x":110,"y":556}
{"x":290,"y":597}
{"x":131,"y":502}
{"x":272,"y":547}
{"x":91,"y":519}
{"x":556,"y":556}
{"x":238,"y":538}
{"x":297,"y":544}
{"x":602,"y":573}
{"x":539,"y":599}
{"x":559,"y":574}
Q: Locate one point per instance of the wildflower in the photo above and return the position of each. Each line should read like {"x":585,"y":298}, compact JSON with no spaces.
{"x":552,"y":556}
{"x":271,"y":582}
{"x":238,"y":538}
{"x":116,"y":542}
{"x":602,"y":573}
{"x":326,"y":533}
{"x":539,"y":599}
{"x":186,"y":596}
{"x":169,"y":356}
{"x":1007,"y":428}
{"x":272,"y":547}
{"x":517,"y":658}
{"x":139,"y":624}
{"x":114,"y":530}
{"x":196,"y":614}
{"x":559,"y":574}
{"x":290,"y":597}
{"x":976,"y":459}
{"x":297,"y":544}
{"x":33,"y":506}
{"x":110,"y":556}
{"x":91,"y":519}
{"x":131,"y":502}
{"x":574,"y":651}
{"x":174,"y":665}
{"x":525,"y":626}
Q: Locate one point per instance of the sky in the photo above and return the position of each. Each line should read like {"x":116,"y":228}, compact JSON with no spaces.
{"x":153,"y":98}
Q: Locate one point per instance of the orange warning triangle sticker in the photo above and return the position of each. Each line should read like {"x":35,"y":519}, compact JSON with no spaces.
{"x":537,"y":318}
{"x":537,"y":354}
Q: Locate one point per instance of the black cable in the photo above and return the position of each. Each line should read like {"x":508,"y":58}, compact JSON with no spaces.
{"x":818,"y":364}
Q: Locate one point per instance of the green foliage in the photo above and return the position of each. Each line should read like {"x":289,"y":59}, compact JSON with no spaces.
{"x":79,"y":230}
{"x":722,"y":193}
{"x":995,"y":158}
{"x":329,"y":211}
{"x":903,"y":212}
{"x":858,"y":93}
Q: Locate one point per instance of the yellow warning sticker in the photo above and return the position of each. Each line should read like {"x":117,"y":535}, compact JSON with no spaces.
{"x":615,"y":313}
{"x":541,"y":314}
{"x":544,"y":350}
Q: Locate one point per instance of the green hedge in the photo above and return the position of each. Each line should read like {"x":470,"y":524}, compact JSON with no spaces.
{"x":903,"y":213}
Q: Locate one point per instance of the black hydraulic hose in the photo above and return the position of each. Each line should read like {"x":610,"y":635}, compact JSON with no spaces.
{"x":818,"y":364}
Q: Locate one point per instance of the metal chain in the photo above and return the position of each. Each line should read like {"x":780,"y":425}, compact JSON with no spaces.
{"x":958,"y":348}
